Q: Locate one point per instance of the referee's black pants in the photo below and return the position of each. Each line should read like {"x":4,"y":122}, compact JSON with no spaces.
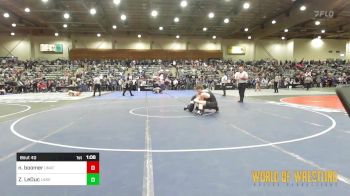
{"x":129,"y":89}
{"x":241,"y":90}
{"x":308,"y":85}
{"x":97,"y":87}
{"x":224,"y":89}
{"x":275,"y":85}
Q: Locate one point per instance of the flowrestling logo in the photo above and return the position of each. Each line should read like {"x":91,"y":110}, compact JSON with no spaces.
{"x":323,"y":14}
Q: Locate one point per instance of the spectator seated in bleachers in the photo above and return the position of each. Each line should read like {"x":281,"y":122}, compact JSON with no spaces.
{"x":63,"y":75}
{"x":2,"y":89}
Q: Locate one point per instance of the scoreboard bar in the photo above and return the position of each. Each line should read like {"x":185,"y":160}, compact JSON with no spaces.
{"x":58,"y":169}
{"x":57,"y":156}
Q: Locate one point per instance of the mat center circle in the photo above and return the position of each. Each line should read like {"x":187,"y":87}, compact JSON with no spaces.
{"x":168,"y":111}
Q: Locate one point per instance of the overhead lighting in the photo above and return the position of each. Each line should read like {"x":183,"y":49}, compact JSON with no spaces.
{"x":214,"y":36}
{"x":56,"y":34}
{"x":66,"y":15}
{"x":154,"y":13}
{"x":14,"y":25}
{"x":283,"y":38}
{"x":114,"y":26}
{"x":246,"y":29}
{"x":6,"y":15}
{"x":12,"y":34}
{"x":286,"y":30}
{"x":302,"y":8}
{"x":205,"y":28}
{"x":161,"y":28}
{"x":226,"y":20}
{"x":323,"y":31}
{"x":123,"y":17}
{"x":92,"y":11}
{"x":273,"y":21}
{"x":176,"y":19}
{"x":117,"y":2}
{"x":139,"y":35}
{"x":342,"y":54}
{"x":98,"y":35}
{"x":65,"y":25}
{"x":45,"y":1}
{"x":246,"y":5}
{"x":317,"y":22}
{"x":183,"y":3}
{"x":249,"y":37}
{"x":27,"y":9}
{"x":317,"y":43}
{"x":211,"y":15}
{"x":177,"y":36}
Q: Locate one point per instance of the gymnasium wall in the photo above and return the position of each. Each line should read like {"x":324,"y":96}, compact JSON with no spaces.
{"x":169,"y":44}
{"x":274,"y":49}
{"x":348,"y":50}
{"x":144,"y":43}
{"x":319,"y":49}
{"x":143,"y":54}
{"x":91,"y":42}
{"x":15,"y":46}
{"x":26,"y":47}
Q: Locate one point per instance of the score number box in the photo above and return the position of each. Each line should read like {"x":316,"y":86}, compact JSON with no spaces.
{"x":58,"y":169}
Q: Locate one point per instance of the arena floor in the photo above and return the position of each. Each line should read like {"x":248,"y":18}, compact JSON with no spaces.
{"x":150,"y":146}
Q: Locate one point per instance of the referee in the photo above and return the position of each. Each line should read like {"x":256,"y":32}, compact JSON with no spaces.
{"x":241,"y":78}
{"x":276,"y":82}
{"x":223,"y":83}
{"x":97,"y":85}
{"x":127,"y":85}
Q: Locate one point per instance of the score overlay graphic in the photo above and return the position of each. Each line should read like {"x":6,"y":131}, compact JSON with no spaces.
{"x":58,"y":169}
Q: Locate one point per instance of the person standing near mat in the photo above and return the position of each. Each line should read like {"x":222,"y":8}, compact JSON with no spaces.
{"x":97,"y":85}
{"x":223,"y":83}
{"x":276,"y":82}
{"x":127,"y":85}
{"x":241,"y":78}
{"x":308,"y":80}
{"x":257,"y":83}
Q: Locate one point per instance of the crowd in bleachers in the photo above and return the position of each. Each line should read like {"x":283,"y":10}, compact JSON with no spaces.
{"x":63,"y":75}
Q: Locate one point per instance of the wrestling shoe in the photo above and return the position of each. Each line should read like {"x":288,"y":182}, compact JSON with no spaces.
{"x":199,"y":112}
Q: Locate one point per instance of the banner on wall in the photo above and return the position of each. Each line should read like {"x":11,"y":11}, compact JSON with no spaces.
{"x":56,"y":48}
{"x":236,"y":50}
